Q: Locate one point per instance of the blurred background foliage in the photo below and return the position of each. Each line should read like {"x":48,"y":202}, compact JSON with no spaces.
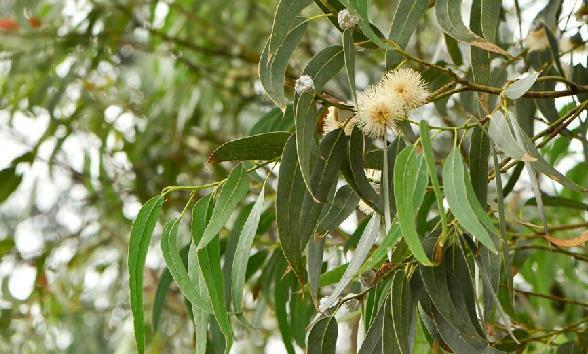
{"x":105,"y":103}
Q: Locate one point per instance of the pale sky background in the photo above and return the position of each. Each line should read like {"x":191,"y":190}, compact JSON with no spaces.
{"x":27,"y":130}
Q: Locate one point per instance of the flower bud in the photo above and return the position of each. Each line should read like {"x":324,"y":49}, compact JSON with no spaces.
{"x":304,"y":84}
{"x":346,"y":19}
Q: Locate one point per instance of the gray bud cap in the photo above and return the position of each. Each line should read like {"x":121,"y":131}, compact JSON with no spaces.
{"x":304,"y":84}
{"x":346,"y":19}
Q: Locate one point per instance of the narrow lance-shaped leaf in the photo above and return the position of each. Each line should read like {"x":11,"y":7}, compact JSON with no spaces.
{"x":174,"y":262}
{"x":340,"y":208}
{"x":430,"y":160}
{"x":411,"y":180}
{"x":233,"y":191}
{"x":500,"y":132}
{"x":322,"y":338}
{"x":272,"y":66}
{"x":209,"y":262}
{"x":284,"y":20}
{"x":405,"y":19}
{"x":456,"y":193}
{"x":200,"y":317}
{"x":356,"y":166}
{"x":322,"y":67}
{"x":243,"y":251}
{"x":264,"y":146}
{"x":349,"y":53}
{"x":403,"y":312}
{"x":141,"y":233}
{"x":367,"y":240}
{"x":210,"y":265}
{"x":448,"y":13}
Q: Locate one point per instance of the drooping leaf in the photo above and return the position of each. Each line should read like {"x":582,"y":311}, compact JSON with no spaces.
{"x":343,"y":204}
{"x":272,"y":65}
{"x":411,"y":180}
{"x":163,"y":285}
{"x":289,"y":199}
{"x":322,"y":338}
{"x":405,"y":19}
{"x":176,"y":267}
{"x":284,"y":20}
{"x":264,"y":146}
{"x":349,"y":55}
{"x":501,"y":134}
{"x":368,"y":238}
{"x":479,"y":154}
{"x":242,"y":252}
{"x":403,"y":312}
{"x":306,"y":116}
{"x":201,"y":318}
{"x":356,"y":166}
{"x":233,"y":191}
{"x":448,"y":13}
{"x":322,"y":67}
{"x":141,"y":233}
{"x":210,"y":265}
{"x":432,"y":168}
{"x":469,"y":214}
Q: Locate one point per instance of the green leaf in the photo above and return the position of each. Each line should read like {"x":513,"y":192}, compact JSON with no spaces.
{"x":322,"y":338}
{"x":432,"y":168}
{"x":368,"y":238}
{"x":9,"y":182}
{"x":448,"y":13}
{"x":284,"y":20}
{"x":281,"y":295}
{"x":289,"y":199}
{"x":339,"y":209}
{"x":174,"y":263}
{"x":233,"y":191}
{"x":479,"y":154}
{"x":274,"y":121}
{"x":454,"y":325}
{"x":297,"y":212}
{"x":403,"y":312}
{"x":209,"y":262}
{"x":141,"y":233}
{"x":490,"y":18}
{"x":210,"y":265}
{"x":411,"y":180}
{"x":380,"y":254}
{"x":314,"y":263}
{"x":465,"y":208}
{"x":349,"y":55}
{"x":453,"y":49}
{"x":372,"y":342}
{"x":201,"y":318}
{"x":405,"y":19}
{"x":356,"y":164}
{"x":266,"y":146}
{"x":554,"y":50}
{"x":272,"y":65}
{"x":518,"y":88}
{"x":306,"y":116}
{"x":242,"y":252}
{"x":6,"y":245}
{"x":557,"y":201}
{"x":324,"y":66}
{"x":500,"y":132}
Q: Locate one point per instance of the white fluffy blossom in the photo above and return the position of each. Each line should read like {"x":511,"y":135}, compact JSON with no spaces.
{"x":408,"y":85}
{"x":377,"y":111}
{"x":337,"y":118}
{"x":380,"y":106}
{"x":346,"y":19}
{"x":304,"y":84}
